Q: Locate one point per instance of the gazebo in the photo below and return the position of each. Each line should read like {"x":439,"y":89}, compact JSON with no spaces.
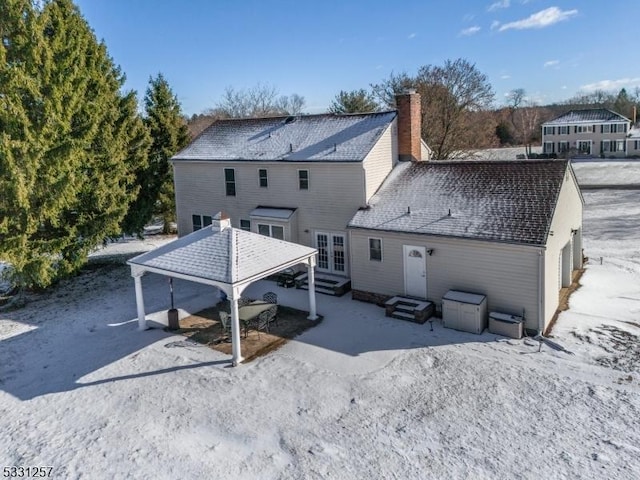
{"x":227,"y":258}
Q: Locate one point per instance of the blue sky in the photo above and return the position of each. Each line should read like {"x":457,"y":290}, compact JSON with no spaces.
{"x":552,"y":49}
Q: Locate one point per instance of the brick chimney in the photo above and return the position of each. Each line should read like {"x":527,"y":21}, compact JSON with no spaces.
{"x":409,"y":126}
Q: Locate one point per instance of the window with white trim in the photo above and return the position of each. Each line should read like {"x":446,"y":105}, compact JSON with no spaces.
{"x":200,"y":221}
{"x":563,"y":130}
{"x":584,"y":146}
{"x":269,"y":230}
{"x":547,"y":147}
{"x":262,"y":177}
{"x":563,"y":146}
{"x":636,"y":144}
{"x":375,"y":249}
{"x":549,"y":130}
{"x":605,"y":128}
{"x":245,"y":225}
{"x":303,"y":179}
{"x":584,"y":129}
{"x":230,"y":181}
{"x":619,"y":128}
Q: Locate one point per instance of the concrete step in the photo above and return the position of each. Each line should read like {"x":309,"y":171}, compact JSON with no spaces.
{"x":403,"y":316}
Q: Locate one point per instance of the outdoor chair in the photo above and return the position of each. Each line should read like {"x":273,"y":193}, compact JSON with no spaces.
{"x":270,"y":297}
{"x":265,"y":318}
{"x":225,"y":320}
{"x":243,"y":301}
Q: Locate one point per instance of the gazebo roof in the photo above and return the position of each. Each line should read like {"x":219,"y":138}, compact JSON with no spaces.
{"x":223,"y":256}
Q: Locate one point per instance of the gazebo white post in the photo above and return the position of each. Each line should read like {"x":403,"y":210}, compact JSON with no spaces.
{"x":311,"y":280}
{"x":137,"y":279}
{"x":235,"y":329}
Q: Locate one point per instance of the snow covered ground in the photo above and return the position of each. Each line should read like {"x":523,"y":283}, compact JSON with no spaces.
{"x":358,"y":396}
{"x":612,"y":172}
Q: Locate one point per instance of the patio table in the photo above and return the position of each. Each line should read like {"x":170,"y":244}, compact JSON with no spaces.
{"x":249,"y":312}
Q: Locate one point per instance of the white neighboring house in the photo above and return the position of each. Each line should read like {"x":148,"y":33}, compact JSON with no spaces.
{"x":344,"y":184}
{"x":596,"y":132}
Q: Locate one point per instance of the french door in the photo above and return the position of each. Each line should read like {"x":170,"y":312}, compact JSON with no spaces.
{"x":332,"y":252}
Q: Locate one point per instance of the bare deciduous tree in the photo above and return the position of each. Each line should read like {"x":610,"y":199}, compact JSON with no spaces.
{"x":451,"y":94}
{"x":259,"y":101}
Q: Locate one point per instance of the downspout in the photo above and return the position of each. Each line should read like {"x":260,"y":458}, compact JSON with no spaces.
{"x":541,"y":286}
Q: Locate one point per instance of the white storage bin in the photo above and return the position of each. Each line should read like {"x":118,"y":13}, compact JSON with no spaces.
{"x":464,"y":311}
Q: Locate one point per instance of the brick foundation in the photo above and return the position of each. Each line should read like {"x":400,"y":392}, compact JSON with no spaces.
{"x":370,"y":297}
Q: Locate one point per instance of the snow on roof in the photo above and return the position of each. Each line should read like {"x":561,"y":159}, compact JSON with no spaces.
{"x":634,"y":133}
{"x":587,"y":116}
{"x":209,"y":255}
{"x":271,"y":212}
{"x":325,"y":137}
{"x":505,"y":201}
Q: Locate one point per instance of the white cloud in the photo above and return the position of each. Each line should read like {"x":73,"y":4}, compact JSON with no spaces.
{"x":495,"y":24}
{"x":563,"y":87}
{"x":543,"y":18}
{"x":470,"y":31}
{"x":468,"y":17}
{"x":550,"y":63}
{"x":505,"y":77}
{"x":412,"y":35}
{"x":612,"y":84}
{"x":499,"y":4}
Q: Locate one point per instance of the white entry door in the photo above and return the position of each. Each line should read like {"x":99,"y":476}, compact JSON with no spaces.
{"x":415,"y":271}
{"x":331,"y":252}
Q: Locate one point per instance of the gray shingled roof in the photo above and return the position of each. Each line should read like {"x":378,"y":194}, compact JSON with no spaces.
{"x":587,"y":116}
{"x":326,"y":137}
{"x":207,"y":254}
{"x":511,"y":201}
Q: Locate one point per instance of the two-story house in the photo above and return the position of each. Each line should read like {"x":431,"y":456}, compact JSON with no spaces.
{"x":360,"y":190}
{"x":299,"y":178}
{"x":597,"y":132}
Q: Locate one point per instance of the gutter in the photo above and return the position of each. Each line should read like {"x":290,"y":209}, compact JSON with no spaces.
{"x":541,"y":285}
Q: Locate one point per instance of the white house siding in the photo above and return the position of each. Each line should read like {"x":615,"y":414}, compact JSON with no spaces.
{"x":336,"y":191}
{"x":568,"y":216}
{"x":507,"y":274}
{"x":381,"y":159}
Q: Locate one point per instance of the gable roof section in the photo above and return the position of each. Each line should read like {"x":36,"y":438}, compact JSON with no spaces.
{"x":598,"y":115}
{"x":510,"y":201}
{"x":228,"y":256}
{"x":325,"y":138}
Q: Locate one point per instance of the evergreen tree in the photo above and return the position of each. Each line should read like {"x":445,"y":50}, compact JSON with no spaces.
{"x":169,"y":133}
{"x":66,"y":141}
{"x":356,"y":101}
